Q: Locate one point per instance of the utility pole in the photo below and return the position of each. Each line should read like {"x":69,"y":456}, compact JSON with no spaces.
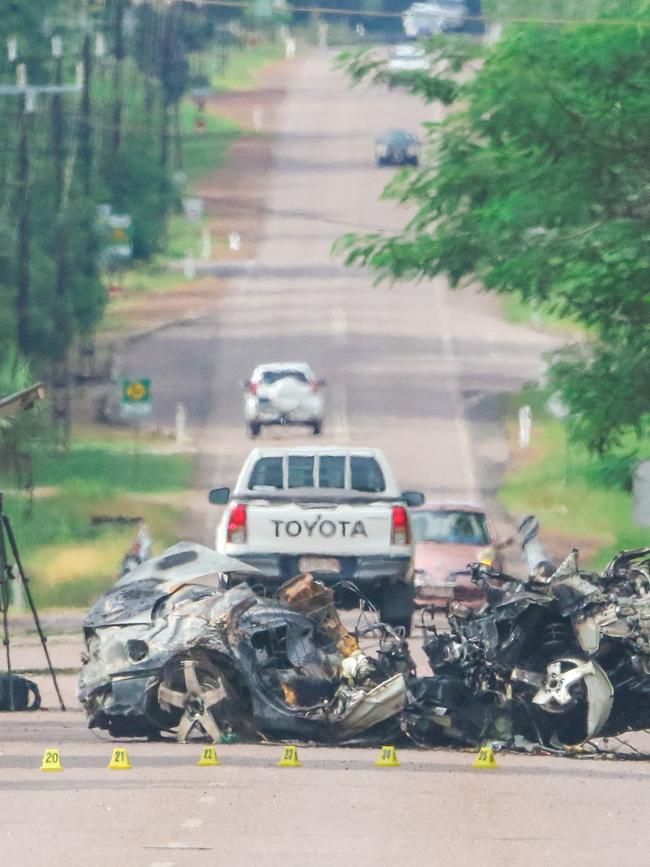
{"x":85,"y":118}
{"x":23,"y":237}
{"x":27,"y":95}
{"x":119,"y":53}
{"x":61,"y":404}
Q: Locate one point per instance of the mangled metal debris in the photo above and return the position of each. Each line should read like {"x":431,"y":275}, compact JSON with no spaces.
{"x":555,"y":660}
{"x":172,"y":648}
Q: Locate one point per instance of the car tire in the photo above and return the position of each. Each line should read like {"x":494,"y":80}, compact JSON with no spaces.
{"x":254,"y":428}
{"x":317,"y":428}
{"x":415,"y":162}
{"x":380,"y":163}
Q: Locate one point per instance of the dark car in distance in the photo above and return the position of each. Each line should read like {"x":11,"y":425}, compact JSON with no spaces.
{"x":397,"y":148}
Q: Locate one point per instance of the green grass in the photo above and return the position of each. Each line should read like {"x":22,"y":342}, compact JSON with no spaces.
{"x":95,"y":469}
{"x":205,"y":151}
{"x":521,"y":312}
{"x":571,"y":492}
{"x":243,"y":66}
{"x":69,"y":556}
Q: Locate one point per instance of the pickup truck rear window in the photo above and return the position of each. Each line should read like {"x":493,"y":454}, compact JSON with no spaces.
{"x":366,"y":475}
{"x":331,"y":471}
{"x":301,"y":471}
{"x":267,"y":473}
{"x":337,"y":472}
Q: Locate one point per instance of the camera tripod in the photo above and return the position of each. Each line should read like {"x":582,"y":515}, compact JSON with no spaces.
{"x":7,"y":575}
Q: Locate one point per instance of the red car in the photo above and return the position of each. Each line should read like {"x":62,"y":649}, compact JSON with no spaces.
{"x":449,"y":536}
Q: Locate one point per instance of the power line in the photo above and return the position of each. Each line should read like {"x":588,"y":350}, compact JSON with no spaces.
{"x":373,"y":13}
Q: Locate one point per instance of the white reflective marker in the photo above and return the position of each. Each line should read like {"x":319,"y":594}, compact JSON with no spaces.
{"x":206,"y":244}
{"x":180,"y":420}
{"x":189,"y":268}
{"x":525,"y":426}
{"x":234,"y":240}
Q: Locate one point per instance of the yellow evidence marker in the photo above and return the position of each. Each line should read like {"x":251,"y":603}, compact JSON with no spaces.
{"x":387,"y":758}
{"x":120,"y":760}
{"x":485,"y":758}
{"x":208,"y":757}
{"x":289,"y":758}
{"x":51,"y":761}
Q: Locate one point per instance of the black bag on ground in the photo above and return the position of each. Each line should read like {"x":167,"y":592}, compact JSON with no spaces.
{"x":22,"y":689}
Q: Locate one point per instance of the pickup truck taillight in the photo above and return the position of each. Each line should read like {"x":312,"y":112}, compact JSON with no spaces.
{"x":237,"y":530}
{"x":401,"y":531}
{"x":252,"y":388}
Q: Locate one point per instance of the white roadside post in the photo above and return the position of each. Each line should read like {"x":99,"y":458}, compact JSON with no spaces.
{"x":206,"y":244}
{"x":180,"y":419}
{"x":525,"y":426}
{"x":189,"y":268}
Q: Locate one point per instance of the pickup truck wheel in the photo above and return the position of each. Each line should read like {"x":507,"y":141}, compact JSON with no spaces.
{"x":254,"y":428}
{"x":397,"y":606}
{"x":317,"y":428}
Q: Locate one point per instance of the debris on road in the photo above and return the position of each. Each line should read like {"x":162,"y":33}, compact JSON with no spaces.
{"x":170,"y":648}
{"x":550,"y":661}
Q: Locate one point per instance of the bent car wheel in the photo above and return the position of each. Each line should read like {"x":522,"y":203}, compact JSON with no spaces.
{"x":195,"y":687}
{"x":576,"y":695}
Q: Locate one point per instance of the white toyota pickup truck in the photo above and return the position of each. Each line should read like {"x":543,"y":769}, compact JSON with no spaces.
{"x":334,"y":512}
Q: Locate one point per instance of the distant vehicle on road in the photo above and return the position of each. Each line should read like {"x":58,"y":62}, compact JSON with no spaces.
{"x":441,"y":16}
{"x":286,"y":393}
{"x":408,"y":58}
{"x":333,"y":512}
{"x":397,"y":148}
{"x":449,"y":536}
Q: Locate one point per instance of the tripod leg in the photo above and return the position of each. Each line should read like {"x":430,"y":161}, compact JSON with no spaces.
{"x":4,"y":607}
{"x":6,"y":523}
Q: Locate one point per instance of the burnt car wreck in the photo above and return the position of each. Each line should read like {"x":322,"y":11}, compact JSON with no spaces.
{"x":170,"y":648}
{"x":555,"y":660}
{"x":558,"y":659}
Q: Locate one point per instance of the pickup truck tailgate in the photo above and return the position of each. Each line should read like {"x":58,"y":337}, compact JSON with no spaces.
{"x":294,"y":528}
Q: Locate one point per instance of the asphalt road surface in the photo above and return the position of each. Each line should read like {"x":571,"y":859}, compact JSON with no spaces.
{"x":416,"y":370}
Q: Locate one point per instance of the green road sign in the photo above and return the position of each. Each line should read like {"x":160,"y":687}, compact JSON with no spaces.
{"x":136,"y":399}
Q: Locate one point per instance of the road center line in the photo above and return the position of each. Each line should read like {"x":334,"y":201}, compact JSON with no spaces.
{"x":340,"y":412}
{"x":339,"y":326}
{"x":462,"y":430}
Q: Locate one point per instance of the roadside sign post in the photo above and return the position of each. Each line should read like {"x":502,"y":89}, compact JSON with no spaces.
{"x":136,"y":403}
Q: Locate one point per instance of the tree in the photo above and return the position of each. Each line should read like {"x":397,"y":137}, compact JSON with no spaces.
{"x":538,"y":184}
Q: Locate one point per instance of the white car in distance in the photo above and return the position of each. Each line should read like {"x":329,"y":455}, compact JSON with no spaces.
{"x":286,"y":393}
{"x":408,"y":58}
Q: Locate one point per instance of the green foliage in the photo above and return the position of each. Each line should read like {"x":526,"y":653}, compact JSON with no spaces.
{"x":24,"y":435}
{"x":577,"y":497}
{"x":115,"y":147}
{"x":538,"y":184}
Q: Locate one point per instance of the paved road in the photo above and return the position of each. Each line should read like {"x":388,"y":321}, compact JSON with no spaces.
{"x":418,"y":371}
